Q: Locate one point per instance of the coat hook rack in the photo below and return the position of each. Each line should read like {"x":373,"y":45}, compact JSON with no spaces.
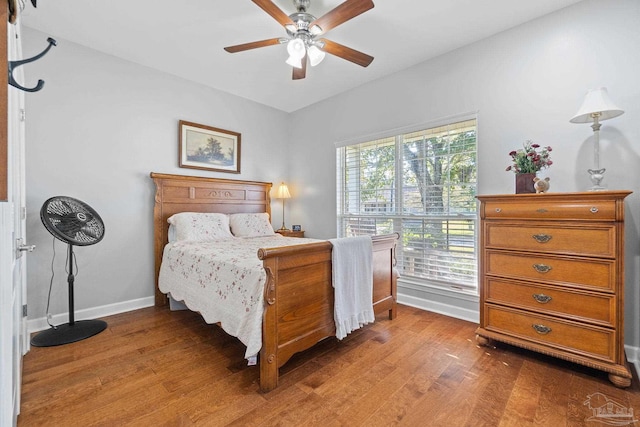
{"x":14,"y":64}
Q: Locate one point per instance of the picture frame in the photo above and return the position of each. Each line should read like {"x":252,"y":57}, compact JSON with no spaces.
{"x":296,"y":228}
{"x":208,"y":148}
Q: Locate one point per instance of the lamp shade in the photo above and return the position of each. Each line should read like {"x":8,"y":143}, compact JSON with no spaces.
{"x":283,"y":192}
{"x":296,"y":48}
{"x":596,"y":102}
{"x":294,"y":62}
{"x":315,"y":55}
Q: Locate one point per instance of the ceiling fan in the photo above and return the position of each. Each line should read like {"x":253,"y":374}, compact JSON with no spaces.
{"x":304,"y":31}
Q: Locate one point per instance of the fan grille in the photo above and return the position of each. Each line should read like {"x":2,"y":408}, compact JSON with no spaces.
{"x":72,"y":221}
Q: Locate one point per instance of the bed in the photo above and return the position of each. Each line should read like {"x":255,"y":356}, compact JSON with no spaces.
{"x":298,"y":293}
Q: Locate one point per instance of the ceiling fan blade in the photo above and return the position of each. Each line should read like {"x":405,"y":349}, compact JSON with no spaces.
{"x":300,"y":73}
{"x":275,"y":12}
{"x":347,"y":53}
{"x":252,"y":45}
{"x":342,"y":13}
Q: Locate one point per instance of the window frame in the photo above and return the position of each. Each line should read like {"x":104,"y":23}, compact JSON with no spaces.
{"x":398,"y":214}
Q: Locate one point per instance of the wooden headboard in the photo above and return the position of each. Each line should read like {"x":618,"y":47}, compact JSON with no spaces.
{"x":181,"y":193}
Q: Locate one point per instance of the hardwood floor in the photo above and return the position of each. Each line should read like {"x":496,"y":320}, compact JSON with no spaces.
{"x":156,"y":367}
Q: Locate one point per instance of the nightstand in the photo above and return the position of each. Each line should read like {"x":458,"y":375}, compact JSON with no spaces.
{"x":291,"y":233}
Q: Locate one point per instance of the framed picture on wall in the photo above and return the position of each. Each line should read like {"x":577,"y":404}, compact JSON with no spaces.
{"x":208,"y":148}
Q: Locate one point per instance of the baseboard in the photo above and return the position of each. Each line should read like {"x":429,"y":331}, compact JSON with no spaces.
{"x":633,"y":357}
{"x":40,"y":324}
{"x":440,"y":308}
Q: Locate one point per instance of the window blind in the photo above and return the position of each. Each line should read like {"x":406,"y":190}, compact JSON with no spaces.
{"x":422,"y":185}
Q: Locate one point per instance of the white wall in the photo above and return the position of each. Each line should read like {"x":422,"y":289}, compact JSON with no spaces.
{"x":525,"y":83}
{"x":94,"y":132}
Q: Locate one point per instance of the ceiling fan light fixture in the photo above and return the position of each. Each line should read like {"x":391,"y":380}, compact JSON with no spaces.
{"x":304,"y":31}
{"x":294,"y":62}
{"x":296,"y":48}
{"x":315,"y":55}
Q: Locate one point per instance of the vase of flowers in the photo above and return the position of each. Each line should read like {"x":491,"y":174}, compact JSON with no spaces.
{"x":526,"y":163}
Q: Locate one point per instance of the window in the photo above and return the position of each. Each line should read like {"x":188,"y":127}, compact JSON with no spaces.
{"x":421,"y":184}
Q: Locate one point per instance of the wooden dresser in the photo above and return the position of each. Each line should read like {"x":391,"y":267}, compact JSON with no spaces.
{"x":552,"y":276}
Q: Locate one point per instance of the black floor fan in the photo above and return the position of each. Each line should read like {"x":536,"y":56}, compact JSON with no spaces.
{"x":74,"y":223}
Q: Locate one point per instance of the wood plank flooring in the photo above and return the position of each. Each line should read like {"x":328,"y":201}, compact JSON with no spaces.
{"x":153,"y":367}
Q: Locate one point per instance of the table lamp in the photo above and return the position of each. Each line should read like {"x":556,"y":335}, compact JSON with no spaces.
{"x":596,"y":107}
{"x":283,"y":193}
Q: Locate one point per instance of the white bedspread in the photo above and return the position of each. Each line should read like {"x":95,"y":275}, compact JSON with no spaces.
{"x":223,"y":280}
{"x":352,"y":260}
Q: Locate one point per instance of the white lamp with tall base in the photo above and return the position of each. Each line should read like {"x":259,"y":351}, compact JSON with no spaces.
{"x":596,"y":107}
{"x":283,"y":193}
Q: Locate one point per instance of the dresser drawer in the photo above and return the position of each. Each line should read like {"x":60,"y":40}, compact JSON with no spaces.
{"x":531,"y":209}
{"x":582,"y":306}
{"x":574,"y":272}
{"x":564,"y":335}
{"x":593,"y":241}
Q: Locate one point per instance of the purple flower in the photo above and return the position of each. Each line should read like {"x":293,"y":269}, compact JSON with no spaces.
{"x":530,"y":159}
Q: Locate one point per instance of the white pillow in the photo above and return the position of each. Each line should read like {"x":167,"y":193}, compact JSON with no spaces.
{"x":251,"y":224}
{"x":171,"y":234}
{"x":196,"y":226}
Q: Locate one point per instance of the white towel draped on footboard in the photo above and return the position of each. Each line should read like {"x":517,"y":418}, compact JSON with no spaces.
{"x":352,"y":259}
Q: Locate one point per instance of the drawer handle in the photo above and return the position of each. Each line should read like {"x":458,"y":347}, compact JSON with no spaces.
{"x":542,"y":210}
{"x":542,"y":268}
{"x":542,"y":298}
{"x":541,"y":238}
{"x":593,"y":210}
{"x":498,"y":210}
{"x":541,"y":329}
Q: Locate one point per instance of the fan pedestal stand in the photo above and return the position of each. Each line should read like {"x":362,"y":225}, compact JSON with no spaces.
{"x":68,"y":333}
{"x":72,"y":331}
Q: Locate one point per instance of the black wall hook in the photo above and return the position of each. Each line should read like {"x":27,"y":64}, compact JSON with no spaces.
{"x":14,"y":64}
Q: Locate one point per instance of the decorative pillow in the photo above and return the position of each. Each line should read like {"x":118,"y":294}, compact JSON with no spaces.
{"x":200,"y":226}
{"x":251,"y":225}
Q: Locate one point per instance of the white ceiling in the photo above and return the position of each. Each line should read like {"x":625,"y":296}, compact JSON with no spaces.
{"x":186,"y":38}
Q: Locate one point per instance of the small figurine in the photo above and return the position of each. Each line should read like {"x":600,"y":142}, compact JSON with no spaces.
{"x":541,"y":185}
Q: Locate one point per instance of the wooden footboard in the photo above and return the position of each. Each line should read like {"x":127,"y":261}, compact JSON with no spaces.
{"x":298,"y":298}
